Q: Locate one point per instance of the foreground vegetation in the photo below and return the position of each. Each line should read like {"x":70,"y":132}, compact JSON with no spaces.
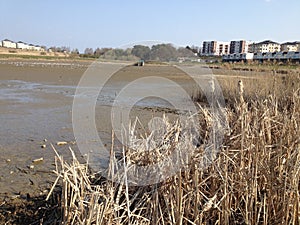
{"x":254,"y":179}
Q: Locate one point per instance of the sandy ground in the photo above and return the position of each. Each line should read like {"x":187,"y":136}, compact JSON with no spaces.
{"x":36,"y":109}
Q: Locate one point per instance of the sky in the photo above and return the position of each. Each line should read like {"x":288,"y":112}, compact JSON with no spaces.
{"x":119,"y":23}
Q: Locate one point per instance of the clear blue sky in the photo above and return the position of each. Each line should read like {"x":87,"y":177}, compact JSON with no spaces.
{"x":114,"y":23}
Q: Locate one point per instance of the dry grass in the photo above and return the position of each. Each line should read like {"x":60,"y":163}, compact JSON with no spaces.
{"x":254,"y":179}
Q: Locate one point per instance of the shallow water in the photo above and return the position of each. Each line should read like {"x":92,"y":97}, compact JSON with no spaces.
{"x":27,"y":92}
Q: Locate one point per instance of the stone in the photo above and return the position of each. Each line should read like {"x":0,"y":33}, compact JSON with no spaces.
{"x":38,"y":160}
{"x":61,"y":143}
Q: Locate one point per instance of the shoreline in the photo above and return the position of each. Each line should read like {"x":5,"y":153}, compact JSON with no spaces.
{"x":217,"y":69}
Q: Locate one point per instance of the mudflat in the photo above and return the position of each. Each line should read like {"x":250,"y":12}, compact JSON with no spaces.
{"x":36,"y":100}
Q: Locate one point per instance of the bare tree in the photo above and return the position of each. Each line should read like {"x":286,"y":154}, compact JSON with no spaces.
{"x":88,"y":51}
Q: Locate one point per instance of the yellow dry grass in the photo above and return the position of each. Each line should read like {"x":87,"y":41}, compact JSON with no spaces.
{"x":254,"y":179}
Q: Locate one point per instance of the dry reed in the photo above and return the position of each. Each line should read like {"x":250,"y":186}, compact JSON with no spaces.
{"x":254,"y":179}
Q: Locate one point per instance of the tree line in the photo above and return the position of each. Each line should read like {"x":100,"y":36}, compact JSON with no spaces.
{"x":159,"y":52}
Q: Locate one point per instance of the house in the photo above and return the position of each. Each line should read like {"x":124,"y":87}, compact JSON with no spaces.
{"x":290,"y":46}
{"x":37,"y":48}
{"x":265,"y":46}
{"x":31,"y":47}
{"x":240,"y":46}
{"x":215,"y":48}
{"x":22,"y":45}
{"x":9,"y":44}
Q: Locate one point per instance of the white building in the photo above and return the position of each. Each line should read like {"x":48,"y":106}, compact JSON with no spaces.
{"x":215,"y":48}
{"x":37,"y":48}
{"x":9,"y":44}
{"x":22,"y":45}
{"x":265,"y":46}
{"x":31,"y":47}
{"x":290,"y":46}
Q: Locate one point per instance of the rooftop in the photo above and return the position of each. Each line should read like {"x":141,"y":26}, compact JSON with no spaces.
{"x":291,"y":43}
{"x":266,"y":42}
{"x":7,"y":40}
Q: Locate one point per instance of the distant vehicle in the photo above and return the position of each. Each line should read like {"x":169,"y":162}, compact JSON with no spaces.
{"x":140,"y":63}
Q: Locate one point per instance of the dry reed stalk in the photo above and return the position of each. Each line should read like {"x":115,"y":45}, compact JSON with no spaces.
{"x":241,"y":92}
{"x":254,"y":180}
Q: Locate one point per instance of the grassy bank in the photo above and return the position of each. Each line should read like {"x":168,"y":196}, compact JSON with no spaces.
{"x":40,"y":57}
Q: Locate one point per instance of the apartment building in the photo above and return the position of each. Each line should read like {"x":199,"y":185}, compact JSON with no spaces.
{"x":264,"y":47}
{"x":240,"y":46}
{"x":290,"y":46}
{"x":215,"y":48}
{"x":209,"y":47}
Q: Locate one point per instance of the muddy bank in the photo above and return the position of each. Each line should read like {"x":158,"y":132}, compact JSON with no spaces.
{"x":36,"y":110}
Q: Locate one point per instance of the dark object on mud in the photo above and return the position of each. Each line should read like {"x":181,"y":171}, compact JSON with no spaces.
{"x":140,"y":63}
